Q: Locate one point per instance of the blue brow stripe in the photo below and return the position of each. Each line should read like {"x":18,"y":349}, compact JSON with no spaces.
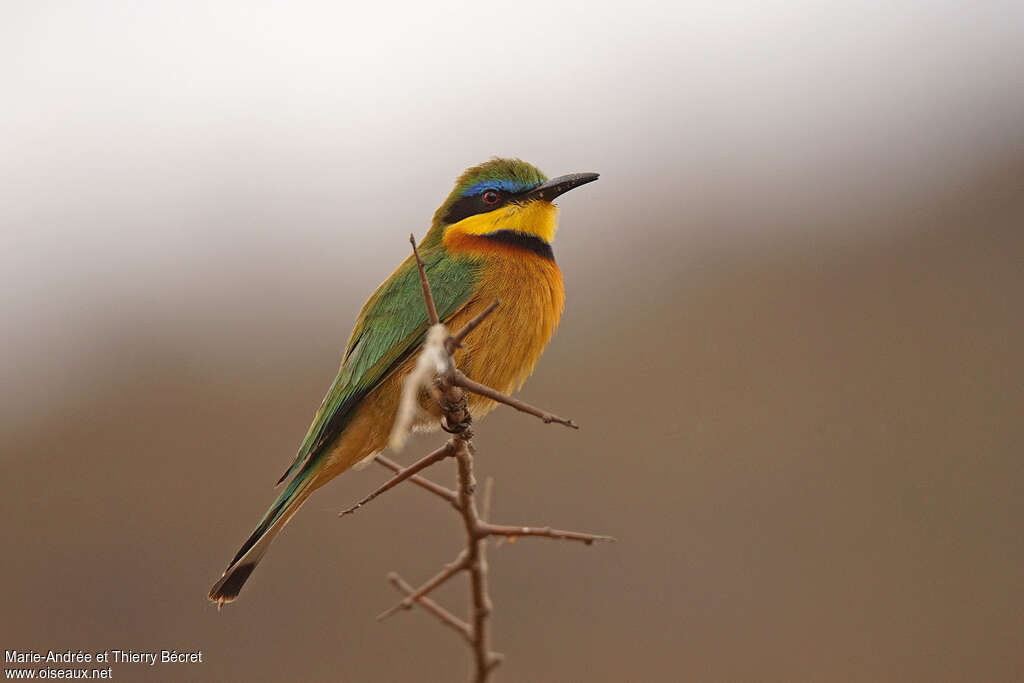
{"x":504,"y":185}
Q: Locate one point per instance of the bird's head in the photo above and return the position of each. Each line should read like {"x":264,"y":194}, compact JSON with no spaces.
{"x":504,"y":197}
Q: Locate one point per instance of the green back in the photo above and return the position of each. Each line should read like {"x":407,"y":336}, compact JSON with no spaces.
{"x":390,"y":328}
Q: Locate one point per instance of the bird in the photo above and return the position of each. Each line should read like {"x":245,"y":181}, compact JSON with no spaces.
{"x":490,"y":240}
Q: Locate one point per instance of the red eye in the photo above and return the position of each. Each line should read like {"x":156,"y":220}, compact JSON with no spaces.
{"x":491,"y":197}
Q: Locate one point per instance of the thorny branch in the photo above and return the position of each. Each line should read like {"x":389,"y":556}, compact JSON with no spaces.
{"x":436,"y":373}
{"x":403,"y":474}
{"x":460,"y":380}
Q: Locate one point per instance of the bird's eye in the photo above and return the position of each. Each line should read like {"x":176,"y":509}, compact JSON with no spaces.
{"x":491,"y":197}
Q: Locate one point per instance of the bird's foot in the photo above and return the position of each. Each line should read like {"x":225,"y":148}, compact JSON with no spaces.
{"x":456,"y":428}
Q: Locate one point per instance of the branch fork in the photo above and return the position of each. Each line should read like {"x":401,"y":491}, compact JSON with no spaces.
{"x":435,"y":372}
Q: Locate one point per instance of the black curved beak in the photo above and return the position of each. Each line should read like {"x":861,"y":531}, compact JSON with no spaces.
{"x":560,"y":185}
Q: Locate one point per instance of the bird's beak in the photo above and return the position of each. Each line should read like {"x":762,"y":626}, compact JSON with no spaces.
{"x":558,"y":186}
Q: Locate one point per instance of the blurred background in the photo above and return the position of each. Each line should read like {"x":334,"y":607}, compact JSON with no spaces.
{"x":793,"y":333}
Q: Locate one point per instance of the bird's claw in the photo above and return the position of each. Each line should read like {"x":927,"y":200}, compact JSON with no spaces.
{"x":459,"y":428}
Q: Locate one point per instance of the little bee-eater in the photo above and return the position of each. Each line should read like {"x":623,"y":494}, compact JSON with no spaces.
{"x":491,"y":239}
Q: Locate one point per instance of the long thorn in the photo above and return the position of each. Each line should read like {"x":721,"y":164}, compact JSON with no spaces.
{"x":456,"y":339}
{"x":544,"y":532}
{"x":446,"y":617}
{"x":419,"y":480}
{"x":448,"y":572}
{"x":428,"y":296}
{"x":421,"y":464}
{"x":484,"y":390}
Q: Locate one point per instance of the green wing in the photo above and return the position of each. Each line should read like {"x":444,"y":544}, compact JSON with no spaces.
{"x":391,"y":328}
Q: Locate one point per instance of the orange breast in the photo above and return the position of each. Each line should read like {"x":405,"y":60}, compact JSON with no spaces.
{"x":504,"y":350}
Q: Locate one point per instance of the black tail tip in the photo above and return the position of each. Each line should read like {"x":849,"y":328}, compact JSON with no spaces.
{"x":230,"y":585}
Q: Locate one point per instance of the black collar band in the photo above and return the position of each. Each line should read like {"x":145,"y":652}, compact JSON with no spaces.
{"x":522,"y":240}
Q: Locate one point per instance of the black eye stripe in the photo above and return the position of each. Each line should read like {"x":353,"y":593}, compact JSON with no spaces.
{"x":464,"y":207}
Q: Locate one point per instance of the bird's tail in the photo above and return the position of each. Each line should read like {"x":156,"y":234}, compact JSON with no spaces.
{"x":252,"y":551}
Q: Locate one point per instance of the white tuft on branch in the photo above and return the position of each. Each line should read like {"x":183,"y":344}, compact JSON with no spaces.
{"x":433,"y":360}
